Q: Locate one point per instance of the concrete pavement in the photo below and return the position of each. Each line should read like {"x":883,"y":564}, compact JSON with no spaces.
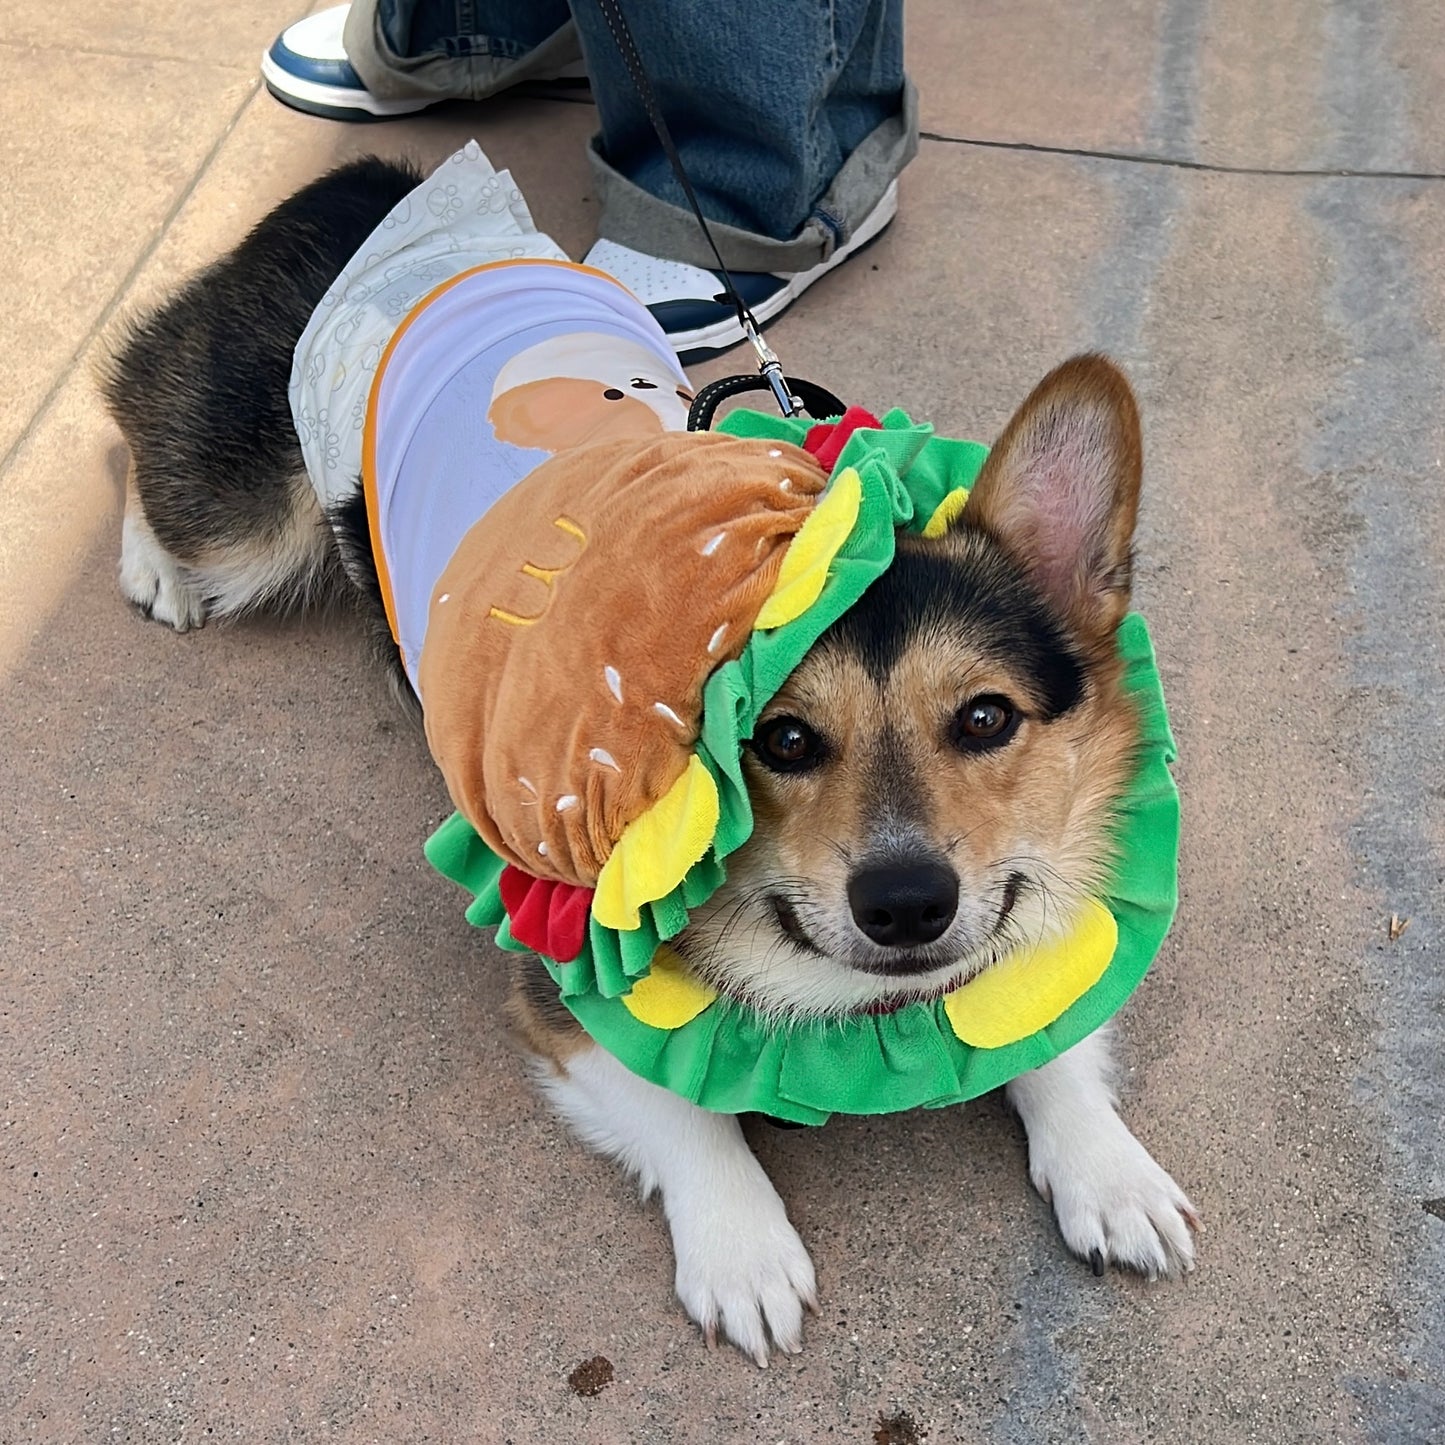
{"x":270,"y":1171}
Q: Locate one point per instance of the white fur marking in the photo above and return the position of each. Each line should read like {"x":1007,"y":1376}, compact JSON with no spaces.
{"x":1109,"y":1195}
{"x":604,"y":758}
{"x":813,"y":985}
{"x":154,"y":580}
{"x":279,"y":572}
{"x":613,"y":679}
{"x":740,"y":1264}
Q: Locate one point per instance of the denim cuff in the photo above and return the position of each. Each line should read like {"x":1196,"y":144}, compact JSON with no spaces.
{"x":439,"y":76}
{"x":634,"y":217}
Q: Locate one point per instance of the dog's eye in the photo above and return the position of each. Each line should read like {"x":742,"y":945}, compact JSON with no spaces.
{"x":639,"y":383}
{"x":984,"y":722}
{"x":612,"y":394}
{"x":787,"y":745}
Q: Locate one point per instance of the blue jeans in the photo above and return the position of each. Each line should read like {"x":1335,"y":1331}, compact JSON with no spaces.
{"x":791,"y":119}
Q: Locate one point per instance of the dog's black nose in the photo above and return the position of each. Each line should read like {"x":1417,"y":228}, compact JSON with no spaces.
{"x":902,"y":905}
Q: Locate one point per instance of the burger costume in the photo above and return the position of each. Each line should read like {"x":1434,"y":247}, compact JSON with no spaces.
{"x":595,"y":606}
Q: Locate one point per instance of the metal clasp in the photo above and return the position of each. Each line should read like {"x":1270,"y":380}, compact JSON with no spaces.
{"x":772,"y":370}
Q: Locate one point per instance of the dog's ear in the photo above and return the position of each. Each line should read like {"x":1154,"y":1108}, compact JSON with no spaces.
{"x":1060,"y":491}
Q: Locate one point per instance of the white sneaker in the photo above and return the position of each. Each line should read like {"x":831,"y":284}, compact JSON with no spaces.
{"x":689,"y":302}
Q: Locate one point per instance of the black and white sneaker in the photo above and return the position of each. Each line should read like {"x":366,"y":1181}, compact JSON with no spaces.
{"x":689,"y":303}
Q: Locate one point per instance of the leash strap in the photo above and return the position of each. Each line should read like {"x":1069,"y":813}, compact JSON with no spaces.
{"x":785,"y":390}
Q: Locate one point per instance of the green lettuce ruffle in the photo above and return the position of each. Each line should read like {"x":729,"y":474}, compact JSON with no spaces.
{"x":731,"y":1059}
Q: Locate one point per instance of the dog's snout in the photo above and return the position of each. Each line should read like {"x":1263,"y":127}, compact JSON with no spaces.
{"x":903,"y":905}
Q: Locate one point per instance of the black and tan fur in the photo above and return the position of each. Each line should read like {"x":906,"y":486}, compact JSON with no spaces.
{"x":220,"y":517}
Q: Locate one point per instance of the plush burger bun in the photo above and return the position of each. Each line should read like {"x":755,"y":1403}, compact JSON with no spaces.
{"x":572,"y":631}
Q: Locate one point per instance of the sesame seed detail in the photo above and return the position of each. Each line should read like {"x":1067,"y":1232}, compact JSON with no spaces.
{"x":614,"y":682}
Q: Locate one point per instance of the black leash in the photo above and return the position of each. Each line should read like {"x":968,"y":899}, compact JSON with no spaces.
{"x":792,"y":395}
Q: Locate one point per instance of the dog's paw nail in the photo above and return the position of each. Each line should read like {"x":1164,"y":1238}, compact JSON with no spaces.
{"x":709,"y":1336}
{"x":813,"y":1306}
{"x":745,"y":1275}
{"x":1115,"y":1206}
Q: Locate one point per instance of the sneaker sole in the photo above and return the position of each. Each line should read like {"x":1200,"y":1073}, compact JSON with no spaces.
{"x":330,"y":101}
{"x":704,"y":342}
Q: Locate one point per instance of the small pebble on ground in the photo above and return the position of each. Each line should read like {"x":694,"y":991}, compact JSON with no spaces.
{"x":593,"y":1376}
{"x":900,"y":1428}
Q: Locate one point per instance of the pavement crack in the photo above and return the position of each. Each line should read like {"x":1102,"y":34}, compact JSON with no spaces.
{"x":113,"y":52}
{"x":122,"y":290}
{"x":1183,"y":163}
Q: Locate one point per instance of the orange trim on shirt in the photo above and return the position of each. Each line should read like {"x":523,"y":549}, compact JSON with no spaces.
{"x":368,"y":435}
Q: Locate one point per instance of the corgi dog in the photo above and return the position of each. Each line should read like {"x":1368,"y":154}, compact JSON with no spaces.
{"x":932,"y":785}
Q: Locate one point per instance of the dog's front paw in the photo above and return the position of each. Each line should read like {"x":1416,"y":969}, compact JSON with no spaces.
{"x":1114,"y":1204}
{"x":742,"y":1269}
